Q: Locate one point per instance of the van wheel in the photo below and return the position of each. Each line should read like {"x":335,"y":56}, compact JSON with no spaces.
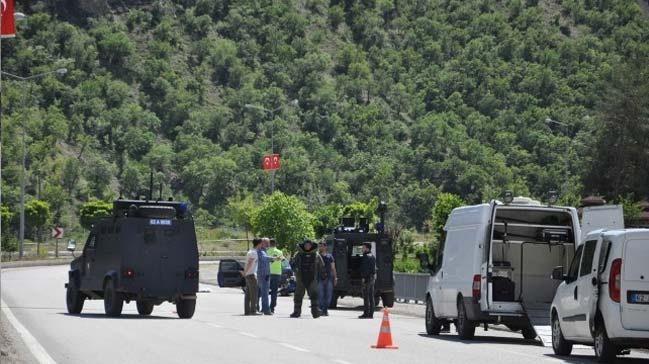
{"x":605,"y":351}
{"x":388,"y":299}
{"x":465,"y":327}
{"x":559,"y":344}
{"x":433,"y":324}
{"x":113,"y":302}
{"x":529,"y":333}
{"x":185,"y":308}
{"x":144,"y":308}
{"x":74,"y":298}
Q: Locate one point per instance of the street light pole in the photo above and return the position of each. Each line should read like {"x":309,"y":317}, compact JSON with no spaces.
{"x":21,"y":231}
{"x":293,"y":103}
{"x":17,"y":16}
{"x":564,"y":185}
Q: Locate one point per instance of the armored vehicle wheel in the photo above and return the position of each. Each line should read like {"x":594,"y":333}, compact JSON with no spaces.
{"x":529,"y":333}
{"x":387,"y":298}
{"x":144,"y":308}
{"x":465,"y":327}
{"x":74,"y":298}
{"x":433,"y":324}
{"x":113,"y":302}
{"x":185,"y":308}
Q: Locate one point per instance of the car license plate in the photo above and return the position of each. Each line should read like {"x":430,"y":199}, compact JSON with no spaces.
{"x":639,"y":297}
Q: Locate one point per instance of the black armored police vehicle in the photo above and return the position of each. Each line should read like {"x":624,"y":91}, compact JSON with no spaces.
{"x":145,"y":252}
{"x":346,"y":246}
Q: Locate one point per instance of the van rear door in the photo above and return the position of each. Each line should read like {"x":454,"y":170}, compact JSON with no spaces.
{"x":601,"y":217}
{"x":634,"y":296}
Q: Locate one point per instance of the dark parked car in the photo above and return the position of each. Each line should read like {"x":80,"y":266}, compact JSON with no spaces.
{"x":145,"y":252}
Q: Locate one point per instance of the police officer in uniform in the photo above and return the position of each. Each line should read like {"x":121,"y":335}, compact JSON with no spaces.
{"x":308,"y":266}
{"x":368,"y":271}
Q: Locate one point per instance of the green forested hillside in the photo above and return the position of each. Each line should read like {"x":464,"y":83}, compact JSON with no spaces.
{"x":398,"y":99}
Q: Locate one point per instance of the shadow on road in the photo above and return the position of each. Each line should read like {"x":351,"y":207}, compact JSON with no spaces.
{"x":579,"y":359}
{"x":121,"y":317}
{"x":484,"y":340}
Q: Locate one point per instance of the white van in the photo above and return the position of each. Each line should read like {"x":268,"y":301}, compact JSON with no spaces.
{"x":494,"y":265}
{"x":603,"y":299}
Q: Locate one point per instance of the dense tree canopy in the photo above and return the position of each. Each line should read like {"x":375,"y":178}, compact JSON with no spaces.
{"x":397,"y":101}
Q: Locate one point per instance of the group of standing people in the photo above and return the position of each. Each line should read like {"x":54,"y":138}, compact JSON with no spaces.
{"x":262,"y":273}
{"x":315,"y":275}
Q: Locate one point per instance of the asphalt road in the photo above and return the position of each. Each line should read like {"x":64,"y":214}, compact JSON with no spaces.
{"x":220,"y":333}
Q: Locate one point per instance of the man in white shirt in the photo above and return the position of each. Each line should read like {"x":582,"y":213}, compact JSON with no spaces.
{"x":250,"y":275}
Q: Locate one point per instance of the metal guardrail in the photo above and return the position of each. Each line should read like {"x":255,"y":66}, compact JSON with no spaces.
{"x":410,"y":286}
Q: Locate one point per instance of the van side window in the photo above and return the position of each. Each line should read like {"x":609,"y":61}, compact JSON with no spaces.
{"x":574,"y":265}
{"x":587,"y":260}
{"x":603,"y":255}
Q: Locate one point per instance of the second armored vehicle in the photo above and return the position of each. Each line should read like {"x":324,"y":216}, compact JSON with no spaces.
{"x":346,"y":243}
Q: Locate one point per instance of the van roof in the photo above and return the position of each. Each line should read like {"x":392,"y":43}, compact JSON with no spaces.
{"x":481,"y":214}
{"x":618,"y":233}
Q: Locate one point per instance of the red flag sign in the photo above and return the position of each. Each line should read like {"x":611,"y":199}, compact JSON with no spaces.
{"x":271,"y":162}
{"x":8,"y":28}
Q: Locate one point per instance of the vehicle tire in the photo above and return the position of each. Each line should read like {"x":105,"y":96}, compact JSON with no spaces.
{"x":74,"y":298}
{"x":113,"y":301}
{"x":144,"y":307}
{"x":605,"y":350}
{"x":388,"y":299}
{"x":334,"y":302}
{"x":433,"y":324}
{"x":185,"y":308}
{"x":559,"y":344}
{"x":465,"y":327}
{"x":529,"y":333}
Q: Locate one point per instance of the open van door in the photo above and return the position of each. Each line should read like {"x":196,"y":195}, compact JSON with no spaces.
{"x":601,"y":217}
{"x":230,"y":274}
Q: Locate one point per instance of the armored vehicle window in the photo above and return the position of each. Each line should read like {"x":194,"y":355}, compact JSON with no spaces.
{"x":90,"y":243}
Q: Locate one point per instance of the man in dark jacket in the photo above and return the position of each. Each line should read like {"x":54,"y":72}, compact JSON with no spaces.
{"x":308,"y":266}
{"x":368,"y":271}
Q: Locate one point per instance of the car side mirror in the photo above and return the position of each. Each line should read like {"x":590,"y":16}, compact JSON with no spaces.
{"x":557,"y":273}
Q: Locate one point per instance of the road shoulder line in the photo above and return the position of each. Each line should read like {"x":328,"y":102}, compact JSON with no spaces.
{"x":37,"y":350}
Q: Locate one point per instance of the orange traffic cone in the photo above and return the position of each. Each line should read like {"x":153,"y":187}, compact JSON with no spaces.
{"x":385,"y":335}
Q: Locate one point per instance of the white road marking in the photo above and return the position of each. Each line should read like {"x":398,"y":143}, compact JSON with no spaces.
{"x":339,"y":361}
{"x":296,"y":348}
{"x":216,"y":326}
{"x":248,"y":334}
{"x":30,"y":341}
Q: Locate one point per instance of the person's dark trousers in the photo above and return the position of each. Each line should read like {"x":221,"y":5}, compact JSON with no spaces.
{"x":250,"y":298}
{"x":368,"y":297}
{"x":312,"y":289}
{"x":274,"y":286}
{"x":264,"y":284}
{"x":325,"y":291}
